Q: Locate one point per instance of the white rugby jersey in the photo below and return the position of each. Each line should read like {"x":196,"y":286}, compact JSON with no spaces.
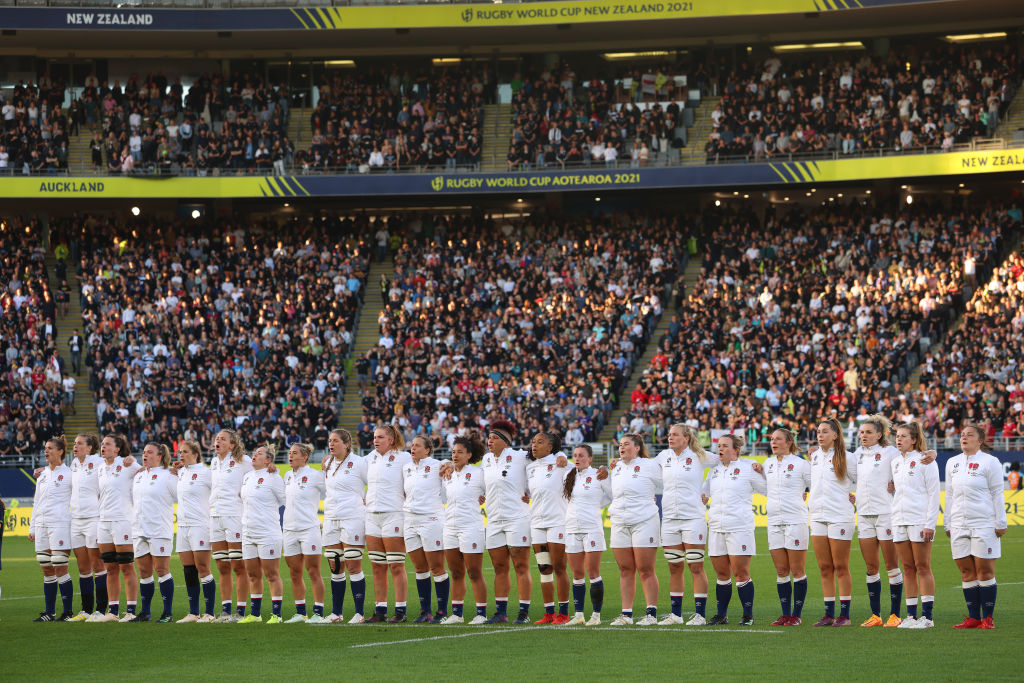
{"x":683,"y":476}
{"x":85,"y":487}
{"x":346,"y":488}
{"x":589,"y":497}
{"x":545,"y":481}
{"x":52,"y":503}
{"x":874,"y":472}
{"x":731,"y":489}
{"x":154,"y":492}
{"x":304,"y":488}
{"x":226,"y":476}
{"x":194,"y":495}
{"x":423,"y":487}
{"x":116,"y":481}
{"x":463,"y":491}
{"x":786,"y":480}
{"x":384,"y":480}
{"x":505,"y":479}
{"x":829,"y":500}
{"x":262,"y":496}
{"x":917,"y":491}
{"x":974,"y":492}
{"x":634,"y":485}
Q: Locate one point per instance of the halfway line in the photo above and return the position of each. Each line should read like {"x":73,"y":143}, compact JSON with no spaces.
{"x":454,"y":635}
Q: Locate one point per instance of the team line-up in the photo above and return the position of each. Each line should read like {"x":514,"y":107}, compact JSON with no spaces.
{"x":117,"y":515}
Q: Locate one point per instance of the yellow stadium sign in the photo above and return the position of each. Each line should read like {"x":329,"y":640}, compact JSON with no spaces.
{"x":540,"y":13}
{"x":19,"y":518}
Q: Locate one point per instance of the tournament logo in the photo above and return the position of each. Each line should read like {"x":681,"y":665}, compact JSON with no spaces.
{"x":467,"y":16}
{"x":437,"y":182}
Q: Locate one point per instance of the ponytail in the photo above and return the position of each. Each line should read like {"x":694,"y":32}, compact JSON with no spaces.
{"x":839,"y":449}
{"x":570,"y":478}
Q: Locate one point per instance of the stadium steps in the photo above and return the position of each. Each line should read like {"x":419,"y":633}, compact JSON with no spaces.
{"x":84,"y":417}
{"x":79,"y":154}
{"x":689,"y":278}
{"x":1011,"y":128}
{"x":299,"y":131}
{"x":497,"y":134}
{"x":366,"y":336}
{"x":693,"y":154}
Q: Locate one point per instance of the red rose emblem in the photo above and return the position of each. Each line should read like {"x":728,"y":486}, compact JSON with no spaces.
{"x":560,"y":535}
{"x":62,"y":543}
{"x":790,"y":468}
{"x":305,"y":479}
{"x":350,"y":464}
{"x":637,"y":468}
{"x":314,"y":546}
{"x":260,"y":480}
{"x":231,"y":463}
{"x":593,"y":543}
{"x":90,"y":466}
{"x":469,"y":475}
{"x":202,"y":542}
{"x":427,"y":468}
{"x":736,"y":471}
{"x":589,"y":479}
{"x":237,"y":535}
{"x":194,"y":476}
{"x":689,"y":461}
{"x":396,"y":529}
{"x":550,"y":467}
{"x":60,"y":477}
{"x":990,"y":551}
{"x":913,"y":464}
{"x":126,"y":537}
{"x":700,"y":537}
{"x":888,"y":531}
{"x":437,"y":542}
{"x":796,"y":542}
{"x":508,"y":458}
{"x":842,"y":532}
{"x":474,"y":545}
{"x":271,"y":551}
{"x":154,"y":477}
{"x":356,"y":537}
{"x":161,"y":548}
{"x":524,"y":538}
{"x":878,"y":456}
{"x":391,"y":458}
{"x":651,"y":539}
{"x":118,"y":469}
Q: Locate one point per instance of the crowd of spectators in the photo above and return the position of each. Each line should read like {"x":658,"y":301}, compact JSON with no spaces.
{"x":979,"y":375}
{"x":814,"y":314}
{"x":235,"y":125}
{"x":559,"y":122}
{"x":857,"y":104}
{"x":383,"y":120}
{"x":35,"y":128}
{"x":32,"y":392}
{"x":190,"y":329}
{"x":538,"y":320}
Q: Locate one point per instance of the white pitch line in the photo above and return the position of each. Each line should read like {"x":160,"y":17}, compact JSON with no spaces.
{"x":454,"y":635}
{"x":23,"y":597}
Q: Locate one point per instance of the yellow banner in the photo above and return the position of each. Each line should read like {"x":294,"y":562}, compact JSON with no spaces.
{"x":533,"y":14}
{"x":18,"y":518}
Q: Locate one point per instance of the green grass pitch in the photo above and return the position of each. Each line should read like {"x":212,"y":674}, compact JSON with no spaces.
{"x":57,"y":651}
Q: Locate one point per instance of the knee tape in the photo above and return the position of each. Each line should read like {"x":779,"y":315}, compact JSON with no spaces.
{"x":109,"y":557}
{"x":221,"y":556}
{"x":43,"y":559}
{"x":59,"y":560}
{"x":235,"y":555}
{"x":333,"y":556}
{"x":396,"y":558}
{"x":377,"y":557}
{"x":353,"y":554}
{"x":694,"y":556}
{"x":674,"y":556}
{"x":125,"y":558}
{"x":547,"y":578}
{"x":544,"y":560}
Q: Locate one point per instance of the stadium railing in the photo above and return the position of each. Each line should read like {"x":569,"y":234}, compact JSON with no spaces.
{"x":994,"y":144}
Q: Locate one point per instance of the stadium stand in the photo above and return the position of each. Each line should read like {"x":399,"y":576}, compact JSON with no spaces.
{"x":32,"y":391}
{"x":187,"y":332}
{"x":387,"y":120}
{"x":541,"y":320}
{"x":823,"y":312}
{"x":978,"y":376}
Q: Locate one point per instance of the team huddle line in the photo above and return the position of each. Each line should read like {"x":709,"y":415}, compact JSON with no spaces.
{"x":117,"y":516}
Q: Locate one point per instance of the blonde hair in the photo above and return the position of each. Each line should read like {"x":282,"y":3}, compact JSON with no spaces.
{"x":883,"y":426}
{"x":692,"y":442}
{"x":304,"y":448}
{"x":916,"y":434}
{"x":839,"y":448}
{"x":735,"y":439}
{"x":164,"y":451}
{"x":192,"y":447}
{"x":397,"y":440}
{"x":790,"y":438}
{"x":237,"y":447}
